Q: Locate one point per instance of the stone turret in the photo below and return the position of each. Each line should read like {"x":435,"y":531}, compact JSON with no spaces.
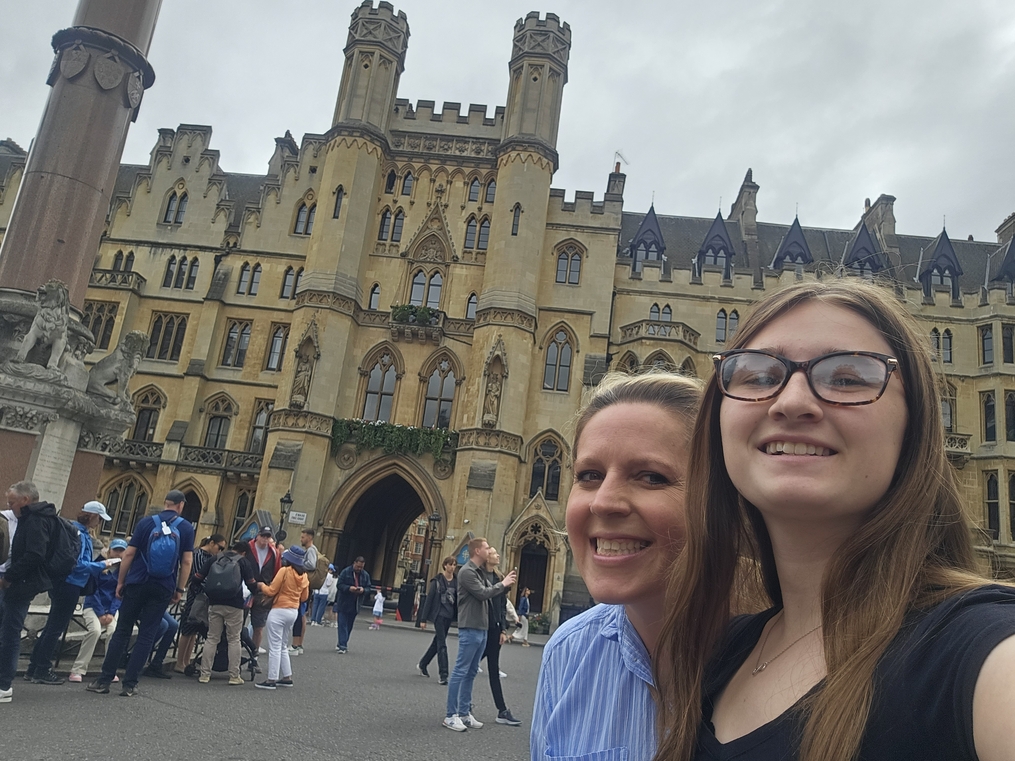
{"x":538,"y":74}
{"x":374,"y":61}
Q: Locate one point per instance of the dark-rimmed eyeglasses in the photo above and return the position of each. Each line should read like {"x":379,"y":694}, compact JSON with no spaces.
{"x":845,"y":378}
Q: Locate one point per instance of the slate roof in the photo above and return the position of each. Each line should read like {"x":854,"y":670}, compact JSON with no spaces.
{"x":685,"y":235}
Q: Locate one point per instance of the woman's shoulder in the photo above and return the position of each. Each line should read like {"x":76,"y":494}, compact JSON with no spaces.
{"x":967,"y":615}
{"x":586,"y":627}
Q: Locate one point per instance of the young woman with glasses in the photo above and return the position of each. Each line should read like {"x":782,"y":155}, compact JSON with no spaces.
{"x":818,"y":460}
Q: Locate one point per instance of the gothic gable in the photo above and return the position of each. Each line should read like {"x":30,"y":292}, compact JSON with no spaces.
{"x":432,"y":241}
{"x":793,"y":248}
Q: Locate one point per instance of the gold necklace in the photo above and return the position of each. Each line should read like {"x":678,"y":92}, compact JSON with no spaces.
{"x":759,"y":666}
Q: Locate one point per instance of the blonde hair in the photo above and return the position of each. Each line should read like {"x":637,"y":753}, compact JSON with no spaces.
{"x":912,"y":551}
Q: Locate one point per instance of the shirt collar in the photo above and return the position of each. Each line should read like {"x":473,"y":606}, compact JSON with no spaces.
{"x":618,"y":627}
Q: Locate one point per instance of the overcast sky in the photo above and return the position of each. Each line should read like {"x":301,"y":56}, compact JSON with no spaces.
{"x":829,"y":102}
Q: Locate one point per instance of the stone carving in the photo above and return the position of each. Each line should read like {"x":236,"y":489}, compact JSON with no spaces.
{"x":333,"y":301}
{"x":442,"y":469}
{"x":431,"y":250}
{"x":25,"y":418}
{"x":491,"y":403}
{"x":417,"y":143}
{"x":74,"y":60}
{"x":108,"y":71}
{"x":482,"y":438}
{"x":50,"y":324}
{"x":119,"y":367}
{"x":346,"y":457}
{"x":298,"y":420}
{"x":510,"y":317}
{"x":307,"y":354}
{"x":135,"y":89}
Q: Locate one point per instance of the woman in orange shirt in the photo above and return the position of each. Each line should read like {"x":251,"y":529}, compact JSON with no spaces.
{"x":290,"y":587}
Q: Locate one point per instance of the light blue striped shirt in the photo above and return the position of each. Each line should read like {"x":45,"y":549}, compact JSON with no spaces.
{"x":594,"y":700}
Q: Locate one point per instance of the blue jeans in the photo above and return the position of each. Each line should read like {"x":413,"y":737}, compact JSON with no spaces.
{"x":345,"y":622}
{"x":165,"y":637}
{"x":63,"y":598}
{"x":471,"y":645}
{"x":320,"y":603}
{"x":143,"y":603}
{"x":12,"y":621}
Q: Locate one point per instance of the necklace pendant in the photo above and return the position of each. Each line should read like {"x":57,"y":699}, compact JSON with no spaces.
{"x":759,"y":668}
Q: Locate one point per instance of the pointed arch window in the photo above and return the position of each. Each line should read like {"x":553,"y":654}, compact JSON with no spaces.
{"x":546,"y":468}
{"x":167,"y":280}
{"x":986,"y":344}
{"x":244,"y":503}
{"x":1008,"y":344}
{"x":941,"y":275}
{"x":166,"y":336}
{"x":234,"y":352}
{"x":181,"y":209}
{"x":687,"y":368}
{"x":470,"y":307}
{"x":557,"y":369}
{"x":255,"y":280}
{"x":484,"y":235}
{"x":989,"y":416}
{"x":653,"y":312}
{"x":259,"y":425}
{"x":276,"y":347}
{"x":491,"y":191}
{"x":339,"y":196}
{"x":440,"y":396}
{"x":176,"y":208}
{"x":714,"y":258}
{"x":288,"y":280}
{"x":244,"y":282}
{"x":126,"y":502}
{"x":935,"y":343}
{"x":181,"y":273}
{"x":148,"y":405}
{"x":407,"y":184}
{"x":192,"y":274}
{"x":418,"y":292}
{"x":720,"y":326}
{"x":128,"y":265}
{"x":946,"y":346}
{"x":389,"y":183}
{"x":118,"y":261}
{"x":99,"y":318}
{"x":220,"y":411}
{"x":302,"y":214}
{"x":385,"y":229}
{"x":667,"y":314}
{"x":474,"y":187}
{"x":433,"y":291}
{"x":516,"y":217}
{"x":993,"y":506}
{"x":731,"y":325}
{"x":299,"y":279}
{"x":396,"y":230}
{"x":375,"y":297}
{"x":470,"y":233}
{"x":380,"y":393}
{"x":569,"y":265}
{"x":1009,"y":416}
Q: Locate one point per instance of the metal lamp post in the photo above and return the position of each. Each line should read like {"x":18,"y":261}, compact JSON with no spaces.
{"x":285,"y":504}
{"x":434,"y":519}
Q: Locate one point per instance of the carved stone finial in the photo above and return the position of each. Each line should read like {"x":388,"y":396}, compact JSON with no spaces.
{"x":49,"y":327}
{"x":119,"y":367}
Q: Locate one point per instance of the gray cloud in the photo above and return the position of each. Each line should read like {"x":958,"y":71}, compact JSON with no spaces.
{"x":828,"y":102}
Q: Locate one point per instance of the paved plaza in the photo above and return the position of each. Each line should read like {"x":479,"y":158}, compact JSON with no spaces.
{"x":368,"y":704}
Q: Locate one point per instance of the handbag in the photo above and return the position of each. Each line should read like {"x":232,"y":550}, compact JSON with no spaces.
{"x":199,"y":609}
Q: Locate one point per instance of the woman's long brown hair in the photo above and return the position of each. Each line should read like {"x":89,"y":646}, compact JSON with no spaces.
{"x":913,"y":549}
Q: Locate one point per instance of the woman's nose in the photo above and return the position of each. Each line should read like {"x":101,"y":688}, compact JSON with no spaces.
{"x":797,"y":400}
{"x":611,"y":498}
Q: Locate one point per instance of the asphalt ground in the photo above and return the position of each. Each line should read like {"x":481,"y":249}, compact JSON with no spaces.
{"x":367,"y":704}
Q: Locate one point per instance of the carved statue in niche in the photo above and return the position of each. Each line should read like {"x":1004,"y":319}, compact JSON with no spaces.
{"x":49,"y":327}
{"x":301,"y":380}
{"x":119,"y":367}
{"x":491,"y":403}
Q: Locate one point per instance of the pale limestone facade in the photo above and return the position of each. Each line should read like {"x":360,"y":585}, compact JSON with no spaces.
{"x":337,"y":235}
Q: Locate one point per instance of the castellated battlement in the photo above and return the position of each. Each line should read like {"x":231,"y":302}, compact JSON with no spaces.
{"x":450,"y":113}
{"x":384,"y":10}
{"x":584,"y":202}
{"x":552,"y":23}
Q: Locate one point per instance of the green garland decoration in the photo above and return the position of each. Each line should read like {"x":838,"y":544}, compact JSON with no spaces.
{"x":394,"y":439}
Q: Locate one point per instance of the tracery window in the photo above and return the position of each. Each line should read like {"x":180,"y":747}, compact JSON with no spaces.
{"x":305,"y":219}
{"x":653,"y":312}
{"x":491,"y":191}
{"x":220,"y":411}
{"x":986,"y":344}
{"x":128,"y":265}
{"x":418,"y":292}
{"x":259,"y":425}
{"x":276,"y":347}
{"x":433,"y":291}
{"x":407,"y":184}
{"x":234,"y":352}
{"x":244,"y":503}
{"x":100,"y":317}
{"x":380,"y":393}
{"x":667,"y":314}
{"x":255,"y":280}
{"x":126,"y":502}
{"x":440,"y":396}
{"x":176,"y":207}
{"x":385,"y":229}
{"x":557,"y":369}
{"x":569,"y":265}
{"x":470,"y":233}
{"x":118,"y":261}
{"x":148,"y":404}
{"x":474,"y":190}
{"x":192,"y":274}
{"x":484,"y":235}
{"x":396,"y":230}
{"x":546,"y":467}
{"x":720,"y":326}
{"x":166,"y":336}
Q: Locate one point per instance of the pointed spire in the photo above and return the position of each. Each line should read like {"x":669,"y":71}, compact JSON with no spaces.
{"x":1006,"y":268}
{"x":718,"y":238}
{"x":649,"y":234}
{"x":863,"y":248}
{"x":941,"y":253}
{"x":793,"y":247}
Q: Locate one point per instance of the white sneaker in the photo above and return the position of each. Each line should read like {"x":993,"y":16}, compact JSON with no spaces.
{"x":479,"y":669}
{"x":471,"y":721}
{"x":296,"y":650}
{"x":261,"y":651}
{"x":451,"y":722}
{"x":6,"y":696}
{"x":502,"y":675}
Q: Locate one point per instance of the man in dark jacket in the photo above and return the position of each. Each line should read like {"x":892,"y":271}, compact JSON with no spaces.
{"x":26,"y":577}
{"x":496,"y":635}
{"x":267,"y":560}
{"x":353,"y":586}
{"x":440,"y":607}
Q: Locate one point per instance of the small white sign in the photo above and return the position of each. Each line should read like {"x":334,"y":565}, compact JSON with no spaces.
{"x":298,"y":519}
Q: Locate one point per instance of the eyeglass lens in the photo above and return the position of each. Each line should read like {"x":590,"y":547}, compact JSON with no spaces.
{"x":843,"y":378}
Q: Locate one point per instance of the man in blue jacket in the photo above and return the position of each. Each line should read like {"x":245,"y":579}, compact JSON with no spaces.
{"x":353,"y":586}
{"x":64,"y":595}
{"x":99,"y":611}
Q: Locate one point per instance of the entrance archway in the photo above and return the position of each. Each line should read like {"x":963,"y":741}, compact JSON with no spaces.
{"x":532,"y":573}
{"x":192,"y":507}
{"x":373,"y":510}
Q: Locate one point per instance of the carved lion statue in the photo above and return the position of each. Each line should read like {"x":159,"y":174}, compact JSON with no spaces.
{"x":118,"y":367}
{"x":50,"y":324}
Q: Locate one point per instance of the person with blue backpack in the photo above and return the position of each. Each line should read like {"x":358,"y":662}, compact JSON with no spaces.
{"x":153,"y":574}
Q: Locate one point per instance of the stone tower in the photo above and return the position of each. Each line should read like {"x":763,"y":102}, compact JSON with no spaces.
{"x":507,"y":328}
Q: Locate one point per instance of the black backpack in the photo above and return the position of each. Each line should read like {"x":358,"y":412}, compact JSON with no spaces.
{"x":64,"y":549}
{"x":224,"y":579}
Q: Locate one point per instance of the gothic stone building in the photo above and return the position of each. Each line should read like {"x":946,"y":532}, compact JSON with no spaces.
{"x":413,"y":267}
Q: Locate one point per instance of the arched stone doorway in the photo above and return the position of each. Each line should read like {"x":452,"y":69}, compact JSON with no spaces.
{"x":192,"y":507}
{"x":532,"y":564}
{"x":372,"y":511}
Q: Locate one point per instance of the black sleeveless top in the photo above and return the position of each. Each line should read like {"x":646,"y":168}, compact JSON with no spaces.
{"x":924,"y":682}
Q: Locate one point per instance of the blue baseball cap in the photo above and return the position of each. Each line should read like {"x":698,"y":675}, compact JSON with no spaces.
{"x":118,"y":544}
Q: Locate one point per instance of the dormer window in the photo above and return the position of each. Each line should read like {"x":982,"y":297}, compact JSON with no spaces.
{"x":864,"y":269}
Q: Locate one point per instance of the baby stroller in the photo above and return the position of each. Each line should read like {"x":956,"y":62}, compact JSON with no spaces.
{"x":248,"y":656}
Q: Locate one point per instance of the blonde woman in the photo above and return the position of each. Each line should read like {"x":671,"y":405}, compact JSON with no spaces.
{"x":819,"y":453}
{"x":625,"y":522}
